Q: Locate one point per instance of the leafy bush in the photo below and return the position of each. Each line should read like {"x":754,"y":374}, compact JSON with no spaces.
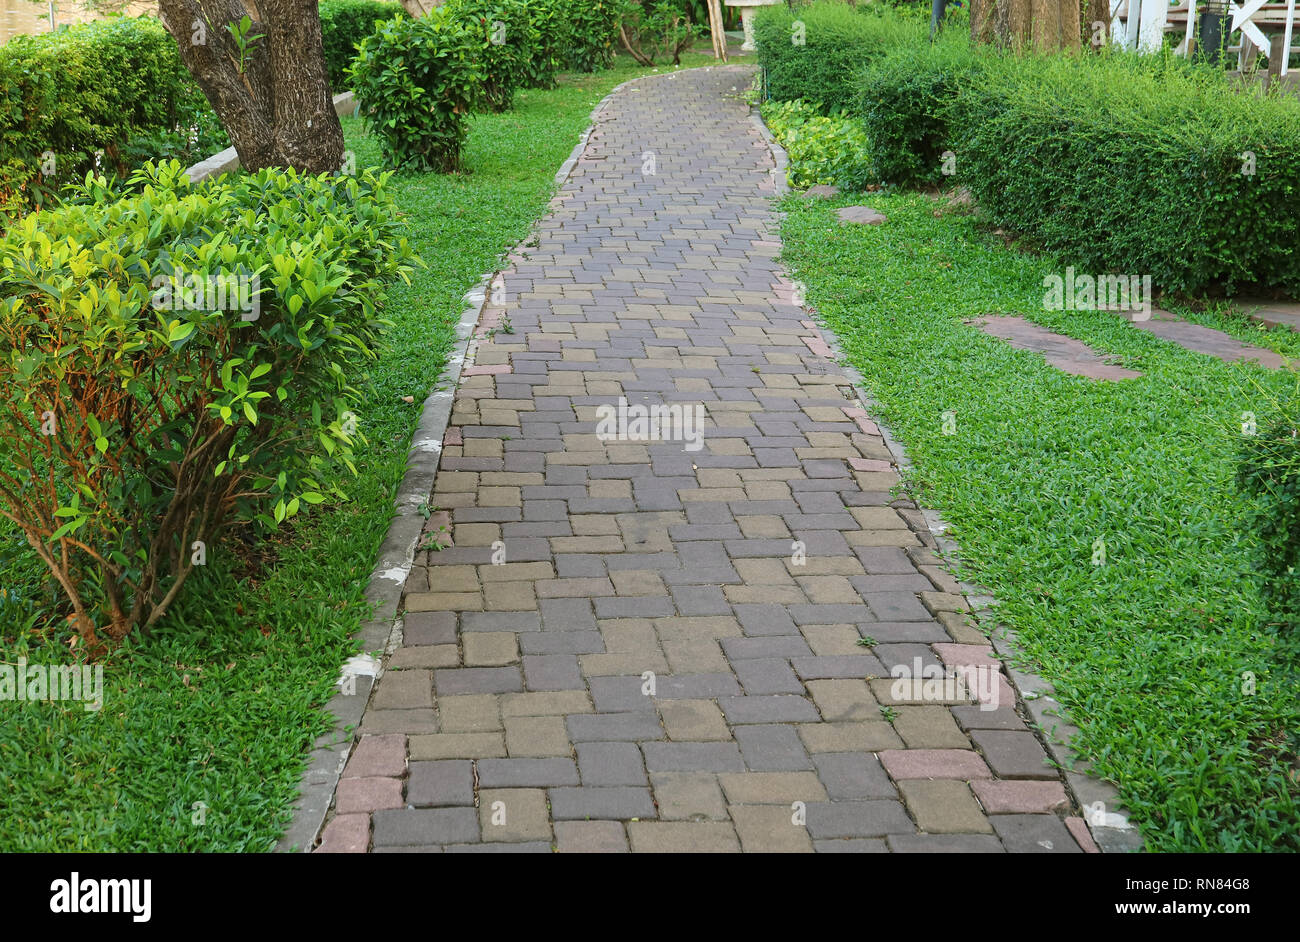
{"x":343,"y":24}
{"x":503,"y":39}
{"x":415,"y":80}
{"x":1270,"y":473}
{"x":657,"y":29}
{"x":817,"y":52}
{"x":1138,"y":164}
{"x":90,"y":88}
{"x":590,"y":37}
{"x":179,"y":360}
{"x":904,"y":100}
{"x":830,"y":150}
{"x":550,"y":31}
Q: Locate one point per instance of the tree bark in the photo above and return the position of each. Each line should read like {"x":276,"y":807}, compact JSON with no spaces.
{"x":278,"y":110}
{"x":1043,"y":25}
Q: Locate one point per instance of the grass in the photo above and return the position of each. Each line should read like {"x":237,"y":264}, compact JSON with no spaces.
{"x":206,"y":722}
{"x":1150,"y":653}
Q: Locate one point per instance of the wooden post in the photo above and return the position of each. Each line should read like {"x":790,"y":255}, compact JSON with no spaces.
{"x":716,"y":29}
{"x":1276,"y":58}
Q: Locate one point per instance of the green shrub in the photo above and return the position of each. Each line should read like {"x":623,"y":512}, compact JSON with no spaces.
{"x":827,"y":150}
{"x":90,"y":88}
{"x":659,"y":29}
{"x":550,"y":32}
{"x":817,"y":52}
{"x":415,"y":81}
{"x":504,"y":40}
{"x":179,"y":360}
{"x":1270,"y":474}
{"x":904,"y":100}
{"x":343,"y":24}
{"x":1140,"y":165}
{"x":590,"y":36}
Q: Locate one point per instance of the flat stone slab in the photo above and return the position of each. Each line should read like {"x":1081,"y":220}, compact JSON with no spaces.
{"x":1207,"y":340}
{"x":1065,"y":353}
{"x":821,"y":191}
{"x":1274,"y":313}
{"x":864,"y":215}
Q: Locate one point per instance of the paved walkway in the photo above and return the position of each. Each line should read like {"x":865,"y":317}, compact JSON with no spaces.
{"x":648,"y":645}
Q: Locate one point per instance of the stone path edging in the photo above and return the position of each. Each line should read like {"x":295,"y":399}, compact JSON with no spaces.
{"x":382,"y":632}
{"x":1050,"y":723}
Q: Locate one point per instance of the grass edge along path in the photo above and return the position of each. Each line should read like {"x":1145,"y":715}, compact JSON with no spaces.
{"x":1156,"y":650}
{"x":206,"y":724}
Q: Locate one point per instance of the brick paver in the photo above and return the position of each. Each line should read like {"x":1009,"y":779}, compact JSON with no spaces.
{"x":719,"y":635}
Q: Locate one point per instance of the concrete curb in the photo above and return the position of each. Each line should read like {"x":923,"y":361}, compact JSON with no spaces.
{"x":382,"y":633}
{"x":1098,"y":800}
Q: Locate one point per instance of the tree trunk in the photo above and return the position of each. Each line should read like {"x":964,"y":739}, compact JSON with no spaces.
{"x":982,"y":19}
{"x":278,"y":109}
{"x":1043,"y":25}
{"x":1096,"y":22}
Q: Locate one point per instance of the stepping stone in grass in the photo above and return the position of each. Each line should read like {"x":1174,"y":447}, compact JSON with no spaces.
{"x":1065,"y":353}
{"x":1274,"y":313}
{"x":860,"y":214}
{"x":821,"y":191}
{"x":1206,"y":340}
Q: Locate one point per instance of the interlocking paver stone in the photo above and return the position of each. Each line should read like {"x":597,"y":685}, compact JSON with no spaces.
{"x":698,"y":638}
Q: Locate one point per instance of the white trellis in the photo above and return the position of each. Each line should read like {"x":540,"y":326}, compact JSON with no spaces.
{"x":1141,"y":24}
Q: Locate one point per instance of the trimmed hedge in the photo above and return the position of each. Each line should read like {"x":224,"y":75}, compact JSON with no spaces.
{"x":343,"y":24}
{"x":817,"y":52}
{"x":1138,"y":164}
{"x":904,"y":101}
{"x":94,"y":87}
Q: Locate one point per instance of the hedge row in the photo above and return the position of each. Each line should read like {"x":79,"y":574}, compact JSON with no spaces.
{"x":118,"y":86}
{"x":1146,"y":166}
{"x":1114,"y":162}
{"x":817,"y":53}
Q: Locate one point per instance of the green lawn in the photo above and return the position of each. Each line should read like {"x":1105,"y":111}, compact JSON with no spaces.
{"x":220,"y":704}
{"x":1147,"y":651}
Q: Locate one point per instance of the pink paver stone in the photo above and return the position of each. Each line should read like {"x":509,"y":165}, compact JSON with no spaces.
{"x":367,"y":794}
{"x":346,"y":834}
{"x":870,"y":464}
{"x":967,"y":655}
{"x":454,"y":436}
{"x":486,"y":370}
{"x":962,"y":764}
{"x":864,"y":422}
{"x":817,"y":346}
{"x":1079,"y":828}
{"x":1017,"y":797}
{"x":377,"y":755}
{"x":811,"y":325}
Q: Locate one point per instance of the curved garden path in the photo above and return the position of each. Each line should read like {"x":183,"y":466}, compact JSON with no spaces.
{"x":741,"y":575}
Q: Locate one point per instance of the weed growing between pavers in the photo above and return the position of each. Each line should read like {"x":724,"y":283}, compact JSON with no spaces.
{"x":205,"y":723}
{"x":1150,"y":649}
